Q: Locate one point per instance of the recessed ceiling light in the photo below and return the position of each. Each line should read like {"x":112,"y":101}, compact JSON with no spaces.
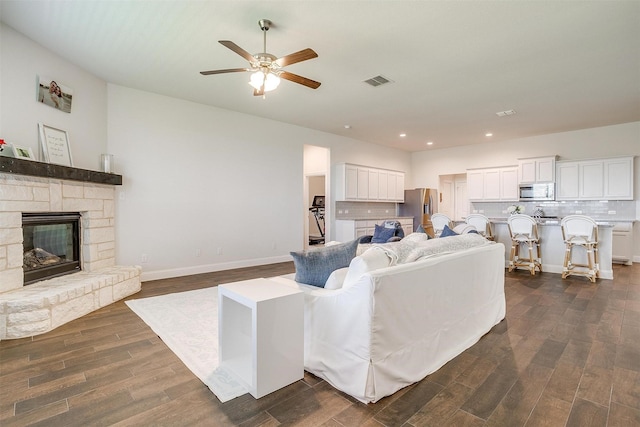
{"x":402,"y":135}
{"x":488,"y":134}
{"x":430,"y":143}
{"x":347,"y":126}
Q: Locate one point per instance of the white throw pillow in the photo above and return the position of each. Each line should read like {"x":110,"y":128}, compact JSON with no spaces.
{"x":336,"y":279}
{"x":372,"y":259}
{"x":464,"y":228}
{"x":416,"y":237}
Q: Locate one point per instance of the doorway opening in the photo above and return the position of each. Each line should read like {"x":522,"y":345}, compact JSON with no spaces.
{"x":317,"y":207}
{"x":454,"y":201}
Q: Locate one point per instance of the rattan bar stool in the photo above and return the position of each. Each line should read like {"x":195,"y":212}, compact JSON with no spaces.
{"x":580,"y":231}
{"x":439,"y":221}
{"x":482,"y":224}
{"x":524,"y":233}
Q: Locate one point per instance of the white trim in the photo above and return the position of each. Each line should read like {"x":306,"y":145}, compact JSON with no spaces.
{"x":209,"y":268}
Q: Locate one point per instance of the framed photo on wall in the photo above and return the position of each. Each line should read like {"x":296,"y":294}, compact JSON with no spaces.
{"x":54,"y":94}
{"x":55,"y":145}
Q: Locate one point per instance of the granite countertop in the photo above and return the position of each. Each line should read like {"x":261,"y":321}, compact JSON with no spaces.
{"x":556,"y":222}
{"x":380,"y":218}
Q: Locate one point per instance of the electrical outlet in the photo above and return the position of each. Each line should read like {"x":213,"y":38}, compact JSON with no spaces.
{"x":340,"y":211}
{"x":611,"y":212}
{"x":122,"y":196}
{"x":368,"y":210}
{"x":346,"y":211}
{"x":219,"y":251}
{"x":197,"y":252}
{"x":144,"y":258}
{"x":386,"y":211}
{"x":578,"y":212}
{"x":481,"y":211}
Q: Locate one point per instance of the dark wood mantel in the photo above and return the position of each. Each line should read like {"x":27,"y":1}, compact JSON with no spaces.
{"x":46,"y":170}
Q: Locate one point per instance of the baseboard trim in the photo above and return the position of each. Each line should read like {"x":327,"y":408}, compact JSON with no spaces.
{"x":147,"y":276}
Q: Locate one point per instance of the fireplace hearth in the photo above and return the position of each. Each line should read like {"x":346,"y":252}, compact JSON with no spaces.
{"x":51,"y":245}
{"x":88,"y":246}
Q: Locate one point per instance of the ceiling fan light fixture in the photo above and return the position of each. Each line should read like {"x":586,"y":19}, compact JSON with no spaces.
{"x":258,"y":79}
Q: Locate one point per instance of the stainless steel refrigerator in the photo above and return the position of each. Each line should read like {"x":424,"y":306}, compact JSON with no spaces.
{"x":420,"y":203}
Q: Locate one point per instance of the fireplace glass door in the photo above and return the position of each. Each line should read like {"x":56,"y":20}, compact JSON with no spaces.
{"x":51,"y":245}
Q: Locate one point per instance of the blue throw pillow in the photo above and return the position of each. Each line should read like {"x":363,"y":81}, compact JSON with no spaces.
{"x":381,"y":234}
{"x":314,"y":266}
{"x":446,"y":232}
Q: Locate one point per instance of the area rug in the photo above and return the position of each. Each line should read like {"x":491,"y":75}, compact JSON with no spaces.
{"x":187,"y":322}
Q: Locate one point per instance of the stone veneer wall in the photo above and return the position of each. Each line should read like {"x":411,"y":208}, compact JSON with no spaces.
{"x":40,"y":307}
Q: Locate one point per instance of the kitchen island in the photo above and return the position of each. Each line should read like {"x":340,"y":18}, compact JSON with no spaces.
{"x":552,"y":246}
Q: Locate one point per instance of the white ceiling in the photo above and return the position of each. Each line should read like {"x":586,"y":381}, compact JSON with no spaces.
{"x":561,"y":65}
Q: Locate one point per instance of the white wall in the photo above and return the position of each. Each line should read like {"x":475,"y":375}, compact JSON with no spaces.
{"x":21,"y":61}
{"x":607,"y":141}
{"x":202,"y":178}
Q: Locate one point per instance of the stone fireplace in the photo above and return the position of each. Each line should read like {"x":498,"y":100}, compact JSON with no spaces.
{"x":34,"y":187}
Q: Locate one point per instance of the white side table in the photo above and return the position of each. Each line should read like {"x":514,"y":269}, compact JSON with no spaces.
{"x":261,"y":334}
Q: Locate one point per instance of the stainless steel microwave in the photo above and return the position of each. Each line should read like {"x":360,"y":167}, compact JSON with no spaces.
{"x":531,"y":192}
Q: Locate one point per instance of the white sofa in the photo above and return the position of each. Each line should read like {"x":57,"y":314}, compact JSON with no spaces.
{"x":393,"y":326}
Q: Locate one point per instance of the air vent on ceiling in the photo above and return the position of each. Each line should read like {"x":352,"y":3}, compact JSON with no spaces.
{"x":378,"y":81}
{"x":505,"y":113}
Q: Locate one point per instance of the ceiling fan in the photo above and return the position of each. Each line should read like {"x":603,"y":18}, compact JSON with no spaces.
{"x":266,"y":68}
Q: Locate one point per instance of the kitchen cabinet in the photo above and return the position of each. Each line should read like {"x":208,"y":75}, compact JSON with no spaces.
{"x":366,"y":184}
{"x":350,"y":229}
{"x":537,"y":169}
{"x":493,"y":184}
{"x":618,"y":178}
{"x":597,"y":179}
{"x":623,"y":242}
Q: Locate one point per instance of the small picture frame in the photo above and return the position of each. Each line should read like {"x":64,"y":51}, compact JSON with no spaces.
{"x":55,"y":145}
{"x":25,"y":153}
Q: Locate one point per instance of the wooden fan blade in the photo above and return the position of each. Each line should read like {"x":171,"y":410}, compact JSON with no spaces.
{"x":229,"y":70}
{"x":299,"y":79}
{"x":303,"y":55}
{"x":237,"y":49}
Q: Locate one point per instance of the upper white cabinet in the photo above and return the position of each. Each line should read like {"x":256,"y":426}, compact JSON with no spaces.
{"x":597,"y":179}
{"x":618,"y":178}
{"x":493,"y":184}
{"x":362,"y":183}
{"x":537,"y":169}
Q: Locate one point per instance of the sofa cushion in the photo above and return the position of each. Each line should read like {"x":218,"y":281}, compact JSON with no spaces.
{"x":381,"y":234}
{"x":314,"y":266}
{"x":372,"y":259}
{"x":336,"y":279}
{"x":416,"y":237}
{"x":450,"y":244}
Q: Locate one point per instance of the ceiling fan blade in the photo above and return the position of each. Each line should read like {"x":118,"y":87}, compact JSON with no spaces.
{"x":229,"y":70}
{"x":237,"y":49}
{"x":299,"y":79}
{"x":300,"y":56}
{"x":257,"y":92}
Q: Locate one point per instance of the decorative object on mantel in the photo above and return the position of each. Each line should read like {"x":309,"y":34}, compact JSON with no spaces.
{"x":2,"y":143}
{"x":55,"y":145}
{"x":54,"y":94}
{"x":106,"y":163}
{"x":515,"y":209}
{"x":23,"y":152}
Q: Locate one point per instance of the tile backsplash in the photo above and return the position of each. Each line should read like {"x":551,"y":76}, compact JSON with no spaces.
{"x":612,"y":209}
{"x":365,"y":210}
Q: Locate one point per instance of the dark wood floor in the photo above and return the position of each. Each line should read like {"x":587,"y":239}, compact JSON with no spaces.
{"x":568,"y":353}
